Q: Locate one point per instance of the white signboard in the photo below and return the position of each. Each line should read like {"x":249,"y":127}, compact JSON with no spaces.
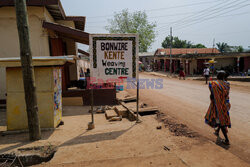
{"x":113,"y":56}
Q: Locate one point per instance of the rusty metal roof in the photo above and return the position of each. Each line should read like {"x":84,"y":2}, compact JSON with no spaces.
{"x":187,"y":51}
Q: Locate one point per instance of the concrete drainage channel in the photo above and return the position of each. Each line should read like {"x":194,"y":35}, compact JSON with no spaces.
{"x":28,"y":156}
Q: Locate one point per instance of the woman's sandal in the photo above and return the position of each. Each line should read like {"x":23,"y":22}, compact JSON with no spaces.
{"x":216,"y":133}
{"x":226,"y":142}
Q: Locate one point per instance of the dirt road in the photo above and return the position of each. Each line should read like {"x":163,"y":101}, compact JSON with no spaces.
{"x":188,"y":101}
{"x":125,"y":143}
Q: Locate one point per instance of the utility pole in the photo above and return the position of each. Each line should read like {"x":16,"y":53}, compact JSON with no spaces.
{"x":171,"y":38}
{"x":27,"y":70}
{"x":213,"y":45}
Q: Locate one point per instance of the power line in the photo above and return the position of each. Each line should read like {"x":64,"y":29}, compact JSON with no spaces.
{"x":160,"y":15}
{"x":157,"y":9}
{"x":201,"y":19}
{"x":93,"y":17}
{"x":215,"y":7}
{"x":176,"y":14}
{"x":196,"y":34}
{"x":180,"y":6}
{"x":200,"y":13}
{"x":164,"y":15}
{"x":209,"y":18}
{"x":211,"y":13}
{"x":237,"y":14}
{"x":218,"y":34}
{"x":97,"y":22}
{"x":206,"y":18}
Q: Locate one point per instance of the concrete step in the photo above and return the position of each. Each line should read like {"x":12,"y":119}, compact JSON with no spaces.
{"x":120,"y":110}
{"x":110,"y":113}
{"x":127,"y":99}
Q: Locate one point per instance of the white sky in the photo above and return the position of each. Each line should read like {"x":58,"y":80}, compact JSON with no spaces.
{"x":199,"y":21}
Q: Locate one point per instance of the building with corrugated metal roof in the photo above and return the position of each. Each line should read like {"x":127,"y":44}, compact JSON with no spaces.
{"x":194,"y":60}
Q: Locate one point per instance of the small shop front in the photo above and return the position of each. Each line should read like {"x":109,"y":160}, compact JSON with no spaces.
{"x":48,"y":81}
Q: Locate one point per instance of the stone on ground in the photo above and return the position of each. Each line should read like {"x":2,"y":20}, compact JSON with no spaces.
{"x":116,"y":118}
{"x":121,"y":111}
{"x":110,"y":113}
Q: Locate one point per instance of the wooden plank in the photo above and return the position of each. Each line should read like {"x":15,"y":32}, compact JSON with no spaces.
{"x":131,"y":115}
{"x":132,"y":105}
{"x":127,"y":99}
{"x":121,"y":111}
{"x":110,"y":114}
{"x":147,"y":109}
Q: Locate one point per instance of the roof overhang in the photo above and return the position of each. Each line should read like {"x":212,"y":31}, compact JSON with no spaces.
{"x":55,"y":9}
{"x":54,"y":6}
{"x":205,"y":56}
{"x":83,"y":52}
{"x":68,"y":32}
{"x":39,"y":61}
{"x":78,"y":20}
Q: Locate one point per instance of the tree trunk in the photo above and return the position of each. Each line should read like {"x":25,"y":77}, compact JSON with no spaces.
{"x":28,"y":70}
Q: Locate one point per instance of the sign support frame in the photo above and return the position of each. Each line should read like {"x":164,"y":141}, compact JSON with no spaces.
{"x":92,"y":106}
{"x":93,"y":38}
{"x":137,"y":101}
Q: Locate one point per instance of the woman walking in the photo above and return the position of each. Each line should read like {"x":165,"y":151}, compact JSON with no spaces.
{"x":182,"y":74}
{"x":218,"y":111}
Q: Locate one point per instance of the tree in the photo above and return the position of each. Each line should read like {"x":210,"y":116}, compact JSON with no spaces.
{"x":199,"y":45}
{"x":136,"y":22}
{"x":178,"y":43}
{"x":237,"y":49}
{"x":28,"y":70}
{"x":240,"y":49}
{"x":167,"y":42}
{"x":223,"y":47}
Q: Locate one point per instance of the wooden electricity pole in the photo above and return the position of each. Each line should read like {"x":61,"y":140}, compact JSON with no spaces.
{"x":171,"y":61}
{"x":28,"y":70}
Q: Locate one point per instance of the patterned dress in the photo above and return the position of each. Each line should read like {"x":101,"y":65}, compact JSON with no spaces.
{"x":218,"y":111}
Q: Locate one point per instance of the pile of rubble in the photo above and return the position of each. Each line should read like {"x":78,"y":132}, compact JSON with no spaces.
{"x":126,"y":109}
{"x":178,"y":129}
{"x":116,"y":113}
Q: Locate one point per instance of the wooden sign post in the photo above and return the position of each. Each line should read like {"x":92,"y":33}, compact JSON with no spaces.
{"x":114,"y":56}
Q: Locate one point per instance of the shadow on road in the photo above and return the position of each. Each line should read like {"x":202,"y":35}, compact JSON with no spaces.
{"x":221,"y":144}
{"x":95,"y":137}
